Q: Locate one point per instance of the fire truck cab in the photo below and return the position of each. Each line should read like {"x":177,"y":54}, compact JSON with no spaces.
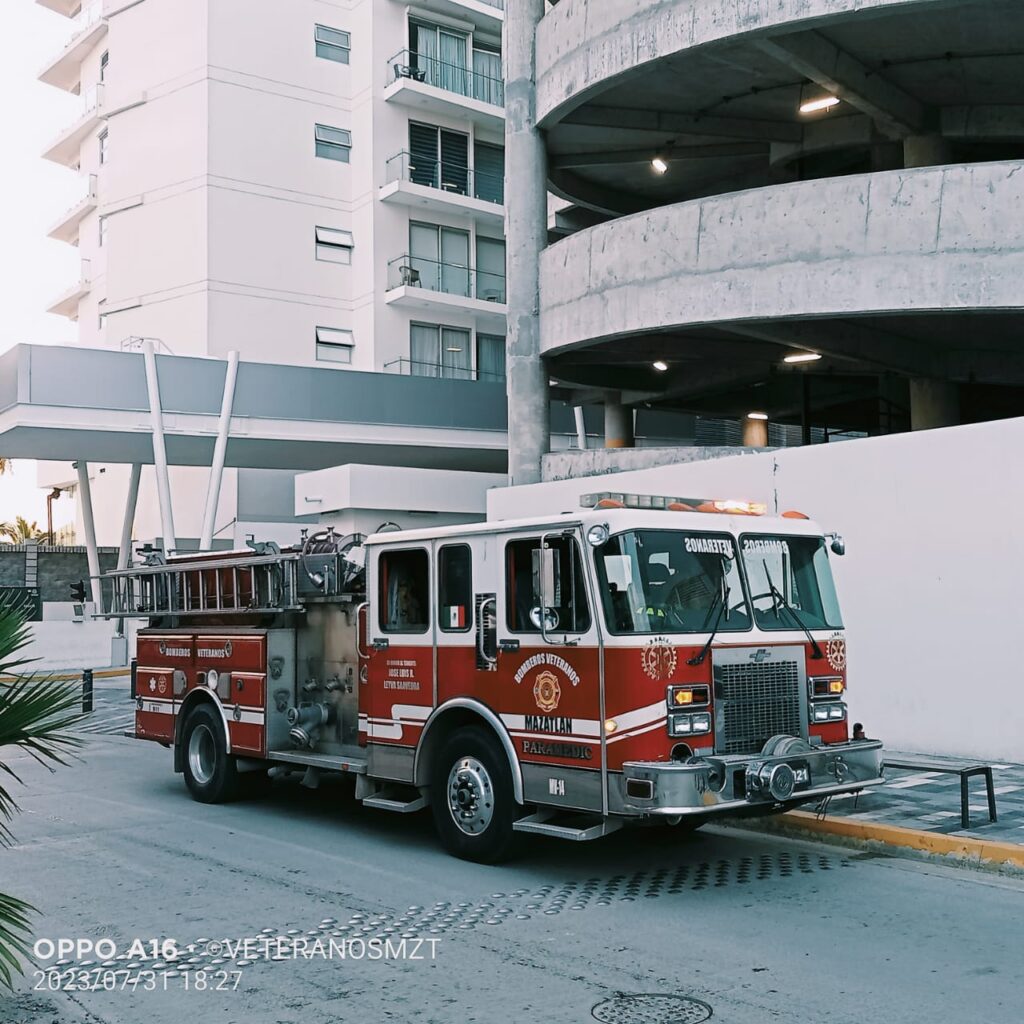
{"x":644,"y":659}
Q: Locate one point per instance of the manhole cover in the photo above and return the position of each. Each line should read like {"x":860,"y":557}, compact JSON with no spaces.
{"x":651,"y":1010}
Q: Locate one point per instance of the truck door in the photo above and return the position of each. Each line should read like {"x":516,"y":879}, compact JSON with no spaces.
{"x":549,"y":668}
{"x":399,"y":687}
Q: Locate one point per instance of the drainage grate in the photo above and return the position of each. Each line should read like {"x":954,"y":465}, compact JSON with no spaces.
{"x":644,"y":1009}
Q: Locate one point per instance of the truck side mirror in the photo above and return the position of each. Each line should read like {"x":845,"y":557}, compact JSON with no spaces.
{"x":838,"y":545}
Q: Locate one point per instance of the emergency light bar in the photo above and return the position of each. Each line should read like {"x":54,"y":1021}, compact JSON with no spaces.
{"x":612,"y":499}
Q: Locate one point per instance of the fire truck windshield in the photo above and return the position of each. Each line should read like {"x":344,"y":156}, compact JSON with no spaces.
{"x":671,"y":581}
{"x":790,"y":579}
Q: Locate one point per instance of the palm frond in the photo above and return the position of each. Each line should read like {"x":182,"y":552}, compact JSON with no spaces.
{"x":14,"y":937}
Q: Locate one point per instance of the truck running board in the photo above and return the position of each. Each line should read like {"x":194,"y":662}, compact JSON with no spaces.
{"x":576,"y":827}
{"x":389,"y":797}
{"x":329,"y":762}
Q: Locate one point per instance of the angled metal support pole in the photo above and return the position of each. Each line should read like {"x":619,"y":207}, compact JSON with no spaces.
{"x":219,"y":453}
{"x":163,"y":481}
{"x":89,"y":524}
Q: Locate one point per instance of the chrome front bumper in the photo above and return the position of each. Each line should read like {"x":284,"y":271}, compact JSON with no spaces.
{"x":748,"y":783}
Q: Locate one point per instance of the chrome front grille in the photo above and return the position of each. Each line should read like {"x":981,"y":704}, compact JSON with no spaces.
{"x":755,"y":701}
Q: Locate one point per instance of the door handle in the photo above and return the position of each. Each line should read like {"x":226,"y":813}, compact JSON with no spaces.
{"x":508,"y":646}
{"x":381,"y":644}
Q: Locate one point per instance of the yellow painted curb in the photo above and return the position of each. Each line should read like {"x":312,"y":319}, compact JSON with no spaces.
{"x":914,"y":839}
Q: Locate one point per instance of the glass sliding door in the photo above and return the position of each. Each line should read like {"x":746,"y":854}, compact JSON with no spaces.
{"x":455,"y":262}
{"x":442,"y":55}
{"x":490,"y":269}
{"x":456,"y":355}
{"x":438,"y":158}
{"x":489,"y":172}
{"x":488,"y":81}
{"x":423,"y":350}
{"x":440,"y":256}
{"x":424,"y":256}
{"x":490,"y":357}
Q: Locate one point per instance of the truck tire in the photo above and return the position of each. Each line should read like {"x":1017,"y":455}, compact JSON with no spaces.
{"x":209,"y":769}
{"x":472,"y":799}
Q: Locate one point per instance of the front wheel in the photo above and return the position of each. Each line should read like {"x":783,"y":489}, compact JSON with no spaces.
{"x":210,"y":772}
{"x":472,"y":799}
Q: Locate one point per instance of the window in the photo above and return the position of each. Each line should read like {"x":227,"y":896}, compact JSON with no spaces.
{"x":437,"y":351}
{"x":333,"y":143}
{"x":404,"y":591}
{"x":488,"y":79}
{"x":441,"y":56}
{"x":104,"y":63}
{"x":439,"y":258}
{"x":490,"y":269}
{"x":334,"y":246}
{"x":671,"y":581}
{"x":332,"y":44}
{"x":104,"y":145}
{"x":439,"y":158}
{"x":568,"y":613}
{"x":489,"y":172}
{"x":455,"y":588}
{"x":103,"y":231}
{"x":490,"y":357}
{"x":790,"y":582}
{"x":334,"y":345}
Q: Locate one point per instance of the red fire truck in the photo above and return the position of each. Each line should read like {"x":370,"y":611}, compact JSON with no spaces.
{"x":645,"y":659}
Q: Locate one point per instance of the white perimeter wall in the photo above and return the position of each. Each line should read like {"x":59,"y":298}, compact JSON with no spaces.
{"x":931,"y":583}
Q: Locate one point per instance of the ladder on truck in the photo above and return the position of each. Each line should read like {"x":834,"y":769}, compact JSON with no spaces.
{"x":233,"y":585}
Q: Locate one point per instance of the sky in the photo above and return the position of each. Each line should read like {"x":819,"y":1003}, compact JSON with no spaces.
{"x":33,"y":194}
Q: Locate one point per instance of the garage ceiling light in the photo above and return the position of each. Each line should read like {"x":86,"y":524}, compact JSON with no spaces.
{"x":757,"y":415}
{"x":821,"y":103}
{"x":659,"y":164}
{"x":802,"y":357}
{"x":660,"y":365}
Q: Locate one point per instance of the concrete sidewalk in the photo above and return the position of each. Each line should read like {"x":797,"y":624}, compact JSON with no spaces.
{"x":930,"y":802}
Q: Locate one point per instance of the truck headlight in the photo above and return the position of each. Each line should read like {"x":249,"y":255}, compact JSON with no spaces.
{"x":689,"y":725}
{"x":831,"y":712}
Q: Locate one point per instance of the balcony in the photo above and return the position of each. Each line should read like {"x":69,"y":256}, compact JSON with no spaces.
{"x":418,"y":368}
{"x":67,"y":304}
{"x":66,"y":148}
{"x":443,"y":187}
{"x":433,"y":86}
{"x":66,"y":229}
{"x":427,"y":285}
{"x":65,"y":70}
{"x":66,"y":7}
{"x":488,"y":15}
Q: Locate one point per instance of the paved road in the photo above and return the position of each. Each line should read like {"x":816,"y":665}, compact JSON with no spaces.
{"x":757,"y":929}
{"x":113,"y":710}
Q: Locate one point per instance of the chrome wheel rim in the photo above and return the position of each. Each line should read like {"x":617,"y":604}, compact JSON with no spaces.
{"x":202,"y":754}
{"x":470,"y":796}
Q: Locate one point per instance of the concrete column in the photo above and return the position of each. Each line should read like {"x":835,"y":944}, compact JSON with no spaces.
{"x":618,"y":423}
{"x":526,"y":223}
{"x":89,"y":525}
{"x":925,"y":151}
{"x":755,"y":433}
{"x":933,"y":403}
{"x":581,"y":428}
{"x":163,"y":479}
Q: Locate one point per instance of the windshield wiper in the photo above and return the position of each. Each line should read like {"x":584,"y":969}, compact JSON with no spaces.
{"x":783,"y":603}
{"x":722,"y":601}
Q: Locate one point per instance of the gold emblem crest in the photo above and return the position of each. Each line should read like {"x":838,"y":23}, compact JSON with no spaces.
{"x":835,"y":651}
{"x":546,"y":691}
{"x":659,"y":659}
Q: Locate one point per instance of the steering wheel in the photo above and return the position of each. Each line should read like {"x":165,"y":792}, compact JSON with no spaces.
{"x":673,"y":606}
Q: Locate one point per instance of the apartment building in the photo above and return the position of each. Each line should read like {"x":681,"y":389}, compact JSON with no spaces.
{"x":316,"y":184}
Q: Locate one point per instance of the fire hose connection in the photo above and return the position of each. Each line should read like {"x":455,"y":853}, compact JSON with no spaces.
{"x":307,"y":721}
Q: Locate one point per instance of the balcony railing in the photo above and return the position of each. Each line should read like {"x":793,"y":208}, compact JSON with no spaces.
{"x":447,"y":176}
{"x":451,"y":77}
{"x":451,"y":278}
{"x":419,"y":368}
{"x":88,"y":16}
